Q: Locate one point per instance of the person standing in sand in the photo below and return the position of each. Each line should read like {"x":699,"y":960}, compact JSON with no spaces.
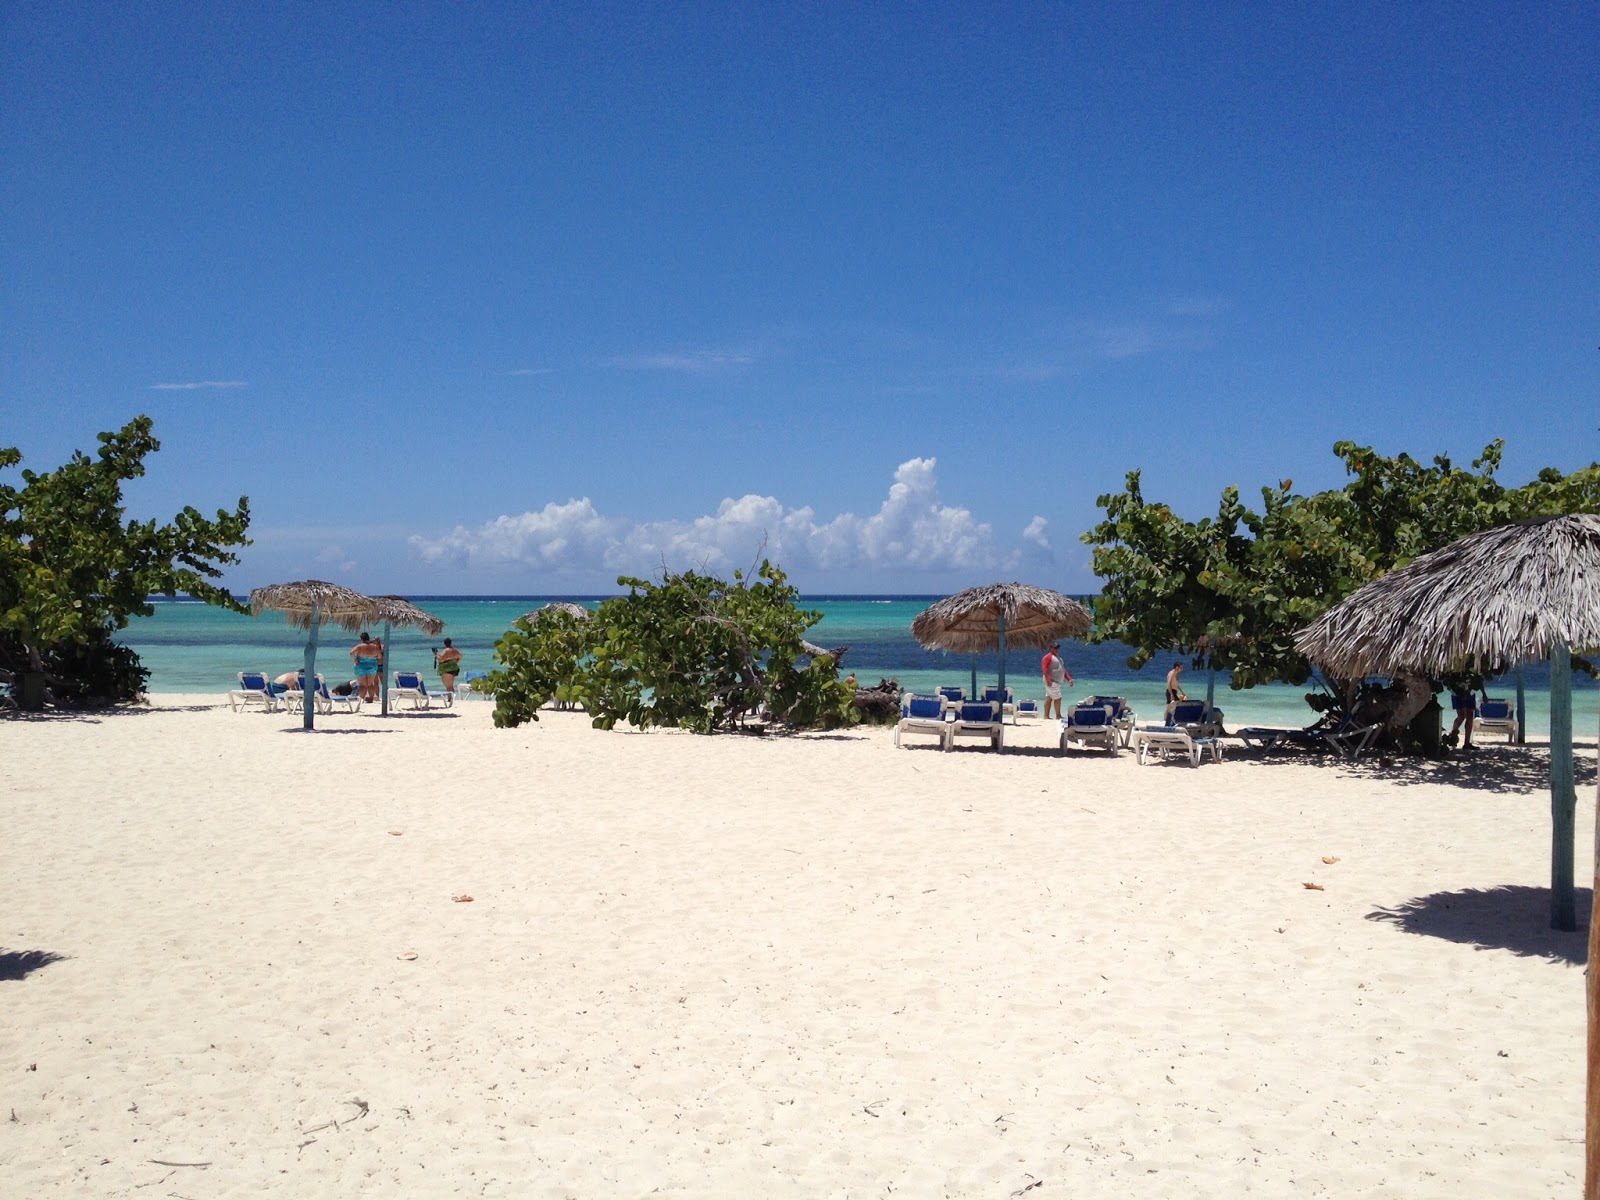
{"x":448,"y":663}
{"x":1054,"y":672}
{"x":368,"y":660}
{"x":1174,"y":685}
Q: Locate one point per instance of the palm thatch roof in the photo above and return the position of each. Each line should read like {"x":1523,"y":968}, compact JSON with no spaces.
{"x":333,"y":604}
{"x":970,"y":621}
{"x":566,"y":606}
{"x":1506,"y":595}
{"x":397,"y":610}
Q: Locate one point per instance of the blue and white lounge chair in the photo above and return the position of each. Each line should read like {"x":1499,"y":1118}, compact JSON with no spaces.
{"x":294,"y":700}
{"x":253,"y":689}
{"x":1198,"y":717}
{"x":951,"y":695}
{"x":1026,"y":709}
{"x":1121,"y":713}
{"x":1496,"y":716}
{"x":1350,"y":738}
{"x":1090,"y":725}
{"x":409,"y":685}
{"x":1157,"y":741}
{"x":977,"y":718}
{"x":1006,"y":700}
{"x":923,"y":714}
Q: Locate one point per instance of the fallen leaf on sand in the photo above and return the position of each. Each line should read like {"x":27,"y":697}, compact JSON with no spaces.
{"x":1282,"y":928}
{"x":1330,"y":859}
{"x":395,"y":833}
{"x":408,"y":955}
{"x":1313,"y":887}
{"x":462,"y":899}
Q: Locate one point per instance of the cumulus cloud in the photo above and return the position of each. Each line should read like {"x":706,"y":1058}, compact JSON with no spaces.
{"x":913,"y":529}
{"x":204,"y":383}
{"x":336,"y":557}
{"x":1038,"y":532}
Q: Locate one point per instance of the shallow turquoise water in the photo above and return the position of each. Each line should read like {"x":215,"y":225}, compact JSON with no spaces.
{"x":192,"y":647}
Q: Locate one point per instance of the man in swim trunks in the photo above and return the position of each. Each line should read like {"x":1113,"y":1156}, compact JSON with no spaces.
{"x":1054,"y":671}
{"x":448,"y":662}
{"x":368,"y":659}
{"x":1466,"y":708}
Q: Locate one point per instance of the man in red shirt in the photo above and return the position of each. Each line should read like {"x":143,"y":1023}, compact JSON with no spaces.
{"x":1054,"y":672}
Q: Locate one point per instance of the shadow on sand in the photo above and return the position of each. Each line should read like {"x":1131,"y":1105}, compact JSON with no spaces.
{"x":1513,"y":917}
{"x":1505,"y":769}
{"x":19,"y":964}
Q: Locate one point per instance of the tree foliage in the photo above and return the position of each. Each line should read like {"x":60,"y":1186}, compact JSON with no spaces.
{"x":73,"y":571}
{"x":691,"y":651}
{"x":1231,"y":591}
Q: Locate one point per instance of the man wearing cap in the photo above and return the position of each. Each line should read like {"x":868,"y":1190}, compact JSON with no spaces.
{"x":1054,"y":671}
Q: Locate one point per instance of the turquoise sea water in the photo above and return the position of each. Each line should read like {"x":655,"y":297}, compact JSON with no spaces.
{"x":192,"y":647}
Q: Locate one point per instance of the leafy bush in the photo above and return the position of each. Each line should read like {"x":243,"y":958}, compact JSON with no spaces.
{"x":541,"y":660}
{"x":691,"y":651}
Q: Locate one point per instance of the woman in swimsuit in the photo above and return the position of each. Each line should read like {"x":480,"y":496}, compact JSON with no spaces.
{"x":367,"y":657}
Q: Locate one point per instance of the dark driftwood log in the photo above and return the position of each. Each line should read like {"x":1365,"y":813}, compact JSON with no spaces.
{"x":880,"y":704}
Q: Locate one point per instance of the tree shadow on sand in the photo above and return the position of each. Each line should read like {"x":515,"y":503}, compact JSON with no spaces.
{"x":1521,"y":770}
{"x":19,"y":964}
{"x":1512,"y":917}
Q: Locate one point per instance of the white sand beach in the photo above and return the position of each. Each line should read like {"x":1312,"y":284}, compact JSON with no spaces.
{"x":234,"y":962}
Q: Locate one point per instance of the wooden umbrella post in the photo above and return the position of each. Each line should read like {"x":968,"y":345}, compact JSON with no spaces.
{"x":1563,"y":793}
{"x":1591,"y":1124}
{"x":308,"y":692}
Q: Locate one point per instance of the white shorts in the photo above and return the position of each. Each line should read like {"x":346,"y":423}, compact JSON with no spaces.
{"x":1052,"y":691}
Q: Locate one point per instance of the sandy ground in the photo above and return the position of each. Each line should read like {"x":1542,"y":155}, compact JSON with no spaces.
{"x":234,"y":962}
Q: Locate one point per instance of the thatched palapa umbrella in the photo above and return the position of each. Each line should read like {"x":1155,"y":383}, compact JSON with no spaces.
{"x":987,"y":618}
{"x":555,"y":606}
{"x":309,"y":604}
{"x":1515,"y":594}
{"x":397,"y":610}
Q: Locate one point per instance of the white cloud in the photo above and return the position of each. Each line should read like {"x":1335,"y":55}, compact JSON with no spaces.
{"x":1038,"y":532}
{"x":204,"y":383}
{"x":911,"y":530}
{"x":336,"y":557}
{"x":694,"y":362}
{"x":532,"y":371}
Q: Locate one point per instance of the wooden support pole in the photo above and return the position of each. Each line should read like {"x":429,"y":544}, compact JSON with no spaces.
{"x":308,"y":692}
{"x":383,"y":671}
{"x":1563,"y":795}
{"x":1002,"y":666}
{"x":1591,"y":1124}
{"x":1522,"y":710}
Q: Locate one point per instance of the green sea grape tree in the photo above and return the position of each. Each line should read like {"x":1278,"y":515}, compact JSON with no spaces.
{"x":542,"y":658}
{"x":1232,"y":591}
{"x":690,"y":651}
{"x":73,"y":571}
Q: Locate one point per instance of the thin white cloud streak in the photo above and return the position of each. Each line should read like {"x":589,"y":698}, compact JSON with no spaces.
{"x":532,"y":371}
{"x":912,"y":530}
{"x":204,"y":383}
{"x":697,"y":362}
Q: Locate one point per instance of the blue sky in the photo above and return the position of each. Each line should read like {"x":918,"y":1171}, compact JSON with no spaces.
{"x":513,"y":298}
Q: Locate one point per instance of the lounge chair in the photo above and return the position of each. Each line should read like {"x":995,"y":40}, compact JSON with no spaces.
{"x":1026,"y":708}
{"x":1121,"y":713}
{"x":253,"y":689}
{"x":1350,"y":738}
{"x":1006,"y":701}
{"x":951,"y":695}
{"x":923,"y":714}
{"x":977,"y":718}
{"x":1496,"y":716}
{"x":294,"y":700}
{"x":409,"y":685}
{"x":349,"y":701}
{"x":465,"y":690}
{"x":1159,"y":740}
{"x":1198,"y":717}
{"x":1090,"y":725}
